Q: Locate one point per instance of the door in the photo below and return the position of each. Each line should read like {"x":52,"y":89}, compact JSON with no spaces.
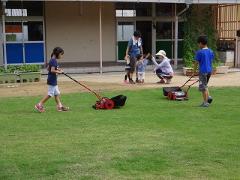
{"x":145,"y":27}
{"x":125,"y":31}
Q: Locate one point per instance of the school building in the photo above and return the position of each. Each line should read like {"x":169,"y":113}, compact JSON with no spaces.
{"x":91,"y":32}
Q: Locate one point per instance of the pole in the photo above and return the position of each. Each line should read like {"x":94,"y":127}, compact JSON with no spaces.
{"x":177,"y":15}
{"x":100,"y":38}
{"x":23,"y":44}
{"x":176,"y":43}
{"x":4,"y":36}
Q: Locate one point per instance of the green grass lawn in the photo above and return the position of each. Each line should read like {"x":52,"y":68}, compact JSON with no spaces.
{"x":150,"y":138}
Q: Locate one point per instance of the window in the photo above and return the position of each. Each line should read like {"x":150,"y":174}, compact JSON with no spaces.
{"x":180,"y":30}
{"x":143,"y":9}
{"x":164,"y":30}
{"x":164,"y":9}
{"x":33,"y":31}
{"x":125,"y":31}
{"x":125,"y":13}
{"x":14,"y":31}
{"x":133,"y":9}
{"x":20,"y":8}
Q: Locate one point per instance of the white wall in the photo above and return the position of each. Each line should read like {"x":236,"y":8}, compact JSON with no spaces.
{"x":74,"y":26}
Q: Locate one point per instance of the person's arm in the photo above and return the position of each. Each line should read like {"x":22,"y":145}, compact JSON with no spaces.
{"x":196,"y":63}
{"x":141,"y":50}
{"x":195,"y":67}
{"x":54,"y":67}
{"x":130,"y":42}
{"x":56,"y":71}
{"x":127,"y":52}
{"x":154,"y":61}
{"x":147,"y":56}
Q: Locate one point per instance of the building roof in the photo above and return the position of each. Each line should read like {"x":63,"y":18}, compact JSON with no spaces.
{"x":176,"y":1}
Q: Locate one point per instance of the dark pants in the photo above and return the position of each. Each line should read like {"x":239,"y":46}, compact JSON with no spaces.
{"x":132,"y":64}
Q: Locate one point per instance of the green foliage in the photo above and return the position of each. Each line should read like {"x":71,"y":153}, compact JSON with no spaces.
{"x":21,"y":68}
{"x":199,"y":20}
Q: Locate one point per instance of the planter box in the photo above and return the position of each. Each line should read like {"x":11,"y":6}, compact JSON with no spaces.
{"x":222,"y":69}
{"x":30,"y":77}
{"x":214,"y":71}
{"x":8,"y":78}
{"x":189,"y":71}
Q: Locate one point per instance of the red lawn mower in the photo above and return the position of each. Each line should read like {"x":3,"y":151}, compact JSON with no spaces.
{"x":179,"y":93}
{"x":103,"y":102}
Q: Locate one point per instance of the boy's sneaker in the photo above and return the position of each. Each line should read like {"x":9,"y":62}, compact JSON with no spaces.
{"x":204,"y":104}
{"x":39,"y":108}
{"x":125,"y":81}
{"x":63,"y":108}
{"x":210,"y":99}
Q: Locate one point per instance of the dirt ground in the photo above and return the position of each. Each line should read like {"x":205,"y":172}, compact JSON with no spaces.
{"x":107,"y":81}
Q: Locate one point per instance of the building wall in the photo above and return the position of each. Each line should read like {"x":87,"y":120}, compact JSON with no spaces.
{"x":1,"y":38}
{"x":75,"y":27}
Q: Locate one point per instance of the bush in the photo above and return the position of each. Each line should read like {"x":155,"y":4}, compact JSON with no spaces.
{"x":199,"y":20}
{"x":20,"y":68}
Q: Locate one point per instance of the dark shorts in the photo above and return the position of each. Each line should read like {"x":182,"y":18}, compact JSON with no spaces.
{"x":132,"y":64}
{"x":203,"y":81}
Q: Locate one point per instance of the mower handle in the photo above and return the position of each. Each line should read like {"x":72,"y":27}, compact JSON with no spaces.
{"x":190,"y":80}
{"x":96,"y":94}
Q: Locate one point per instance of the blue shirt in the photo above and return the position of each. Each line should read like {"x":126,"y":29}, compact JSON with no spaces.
{"x":52,"y":77}
{"x":134,"y":47}
{"x":141,"y":66}
{"x":205,"y":58}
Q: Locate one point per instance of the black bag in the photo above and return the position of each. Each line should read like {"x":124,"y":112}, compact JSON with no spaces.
{"x":119,"y":101}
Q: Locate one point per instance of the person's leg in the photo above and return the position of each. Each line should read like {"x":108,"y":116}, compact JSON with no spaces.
{"x":132,"y":65}
{"x":58,"y":101}
{"x":126,"y":77}
{"x":205,"y":95}
{"x":159,"y":75}
{"x":210,"y":99}
{"x":143,"y":77}
{"x":140,"y":77}
{"x":137,"y":75}
{"x":204,"y":89}
{"x":39,"y":106}
{"x":60,"y":107}
{"x":169,"y":79}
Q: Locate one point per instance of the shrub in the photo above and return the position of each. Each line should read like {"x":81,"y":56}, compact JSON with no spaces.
{"x":21,"y":68}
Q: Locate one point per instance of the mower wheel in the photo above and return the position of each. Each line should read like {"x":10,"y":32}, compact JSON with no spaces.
{"x":169,"y":96}
{"x":109,"y":104}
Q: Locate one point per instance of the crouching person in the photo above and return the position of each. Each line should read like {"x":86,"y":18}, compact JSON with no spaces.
{"x":164,"y":69}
